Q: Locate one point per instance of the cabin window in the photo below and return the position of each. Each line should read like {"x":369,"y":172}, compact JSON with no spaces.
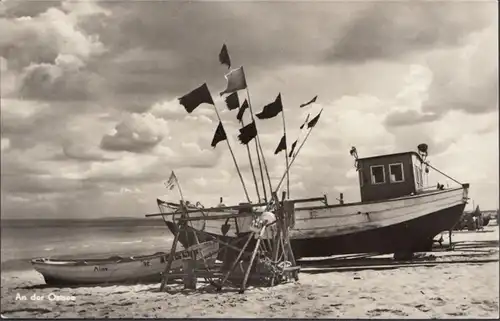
{"x":378,"y":174}
{"x":396,"y":173}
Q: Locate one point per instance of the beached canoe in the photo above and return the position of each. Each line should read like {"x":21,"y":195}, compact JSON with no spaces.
{"x":116,"y":269}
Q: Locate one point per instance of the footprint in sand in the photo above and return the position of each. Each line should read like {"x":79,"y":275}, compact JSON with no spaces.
{"x":487,"y":305}
{"x":120,"y":292}
{"x":120,"y":304}
{"x":378,"y":312}
{"x":456,"y":314}
{"x":438,"y":301}
{"x":422,"y":307}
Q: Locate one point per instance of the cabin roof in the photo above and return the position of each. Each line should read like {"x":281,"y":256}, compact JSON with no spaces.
{"x":388,"y":155}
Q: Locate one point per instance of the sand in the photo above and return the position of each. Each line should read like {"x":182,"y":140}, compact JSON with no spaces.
{"x":465,"y":290}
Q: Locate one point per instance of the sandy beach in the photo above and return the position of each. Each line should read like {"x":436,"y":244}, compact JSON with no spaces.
{"x":442,"y":291}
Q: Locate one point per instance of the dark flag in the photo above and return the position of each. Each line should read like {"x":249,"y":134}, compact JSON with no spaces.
{"x":272,"y":109}
{"x":196,"y":97}
{"x":309,"y":102}
{"x":232,"y":101}
{"x":220,"y":135}
{"x":247,"y":133}
{"x":293,"y":147}
{"x":243,"y":107}
{"x":224,"y":57}
{"x":281,"y":145}
{"x":305,"y":122}
{"x":313,"y":121}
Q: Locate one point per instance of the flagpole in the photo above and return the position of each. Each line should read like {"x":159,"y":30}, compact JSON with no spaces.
{"x":251,"y":165}
{"x":294,"y":157}
{"x":260,"y":170}
{"x":234,"y":158}
{"x":178,"y":187}
{"x":286,"y":155}
{"x":258,"y":142}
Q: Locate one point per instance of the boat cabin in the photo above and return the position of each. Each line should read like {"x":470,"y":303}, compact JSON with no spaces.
{"x":390,"y":176}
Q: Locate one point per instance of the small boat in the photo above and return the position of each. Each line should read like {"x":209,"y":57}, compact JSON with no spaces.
{"x":117,"y":269}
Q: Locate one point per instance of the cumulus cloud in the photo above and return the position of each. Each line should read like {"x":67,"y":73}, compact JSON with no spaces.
{"x":48,"y":54}
{"x":22,"y":116}
{"x":80,"y":152}
{"x":136,"y":133}
{"x":40,"y":39}
{"x":473,"y":87}
{"x":64,"y":81}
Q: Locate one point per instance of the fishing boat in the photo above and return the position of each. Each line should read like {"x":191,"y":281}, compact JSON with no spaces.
{"x":117,"y":269}
{"x":397,"y":214}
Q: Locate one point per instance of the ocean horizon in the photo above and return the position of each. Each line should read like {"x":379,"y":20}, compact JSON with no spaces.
{"x":24,"y":239}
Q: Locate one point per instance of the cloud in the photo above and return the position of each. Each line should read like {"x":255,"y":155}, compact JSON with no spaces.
{"x":42,"y":38}
{"x":473,"y":87}
{"x":63,"y":81}
{"x":136,"y":133}
{"x":409,"y":117}
{"x":5,"y":144}
{"x":392,"y":30}
{"x":20,"y":117}
{"x":100,"y":127}
{"x":80,"y":152}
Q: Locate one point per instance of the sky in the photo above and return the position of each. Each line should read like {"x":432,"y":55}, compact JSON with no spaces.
{"x":91,"y":124}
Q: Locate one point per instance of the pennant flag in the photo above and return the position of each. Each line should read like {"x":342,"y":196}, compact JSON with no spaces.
{"x":232,"y":101}
{"x":281,"y":145}
{"x":313,"y":121}
{"x":170,"y":184}
{"x":220,"y":135}
{"x":247,"y":133}
{"x":305,"y":122}
{"x":224,"y":57}
{"x":235,"y":81}
{"x":272,"y":109}
{"x":293,"y":147}
{"x":243,"y":107}
{"x":309,"y":102}
{"x":196,"y":97}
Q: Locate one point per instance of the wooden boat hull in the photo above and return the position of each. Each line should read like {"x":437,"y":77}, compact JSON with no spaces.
{"x":114,"y":270}
{"x":396,"y":225}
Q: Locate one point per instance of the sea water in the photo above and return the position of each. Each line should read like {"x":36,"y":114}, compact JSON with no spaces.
{"x":22,"y":240}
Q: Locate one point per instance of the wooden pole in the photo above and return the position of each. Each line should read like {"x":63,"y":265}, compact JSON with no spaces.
{"x":247,"y":273}
{"x":251,"y":167}
{"x":185,"y":210}
{"x":171,"y":255}
{"x":234,"y":159}
{"x":294,"y":157}
{"x":258,"y":141}
{"x":235,"y":262}
{"x":286,"y":155}
{"x":260,"y":170}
